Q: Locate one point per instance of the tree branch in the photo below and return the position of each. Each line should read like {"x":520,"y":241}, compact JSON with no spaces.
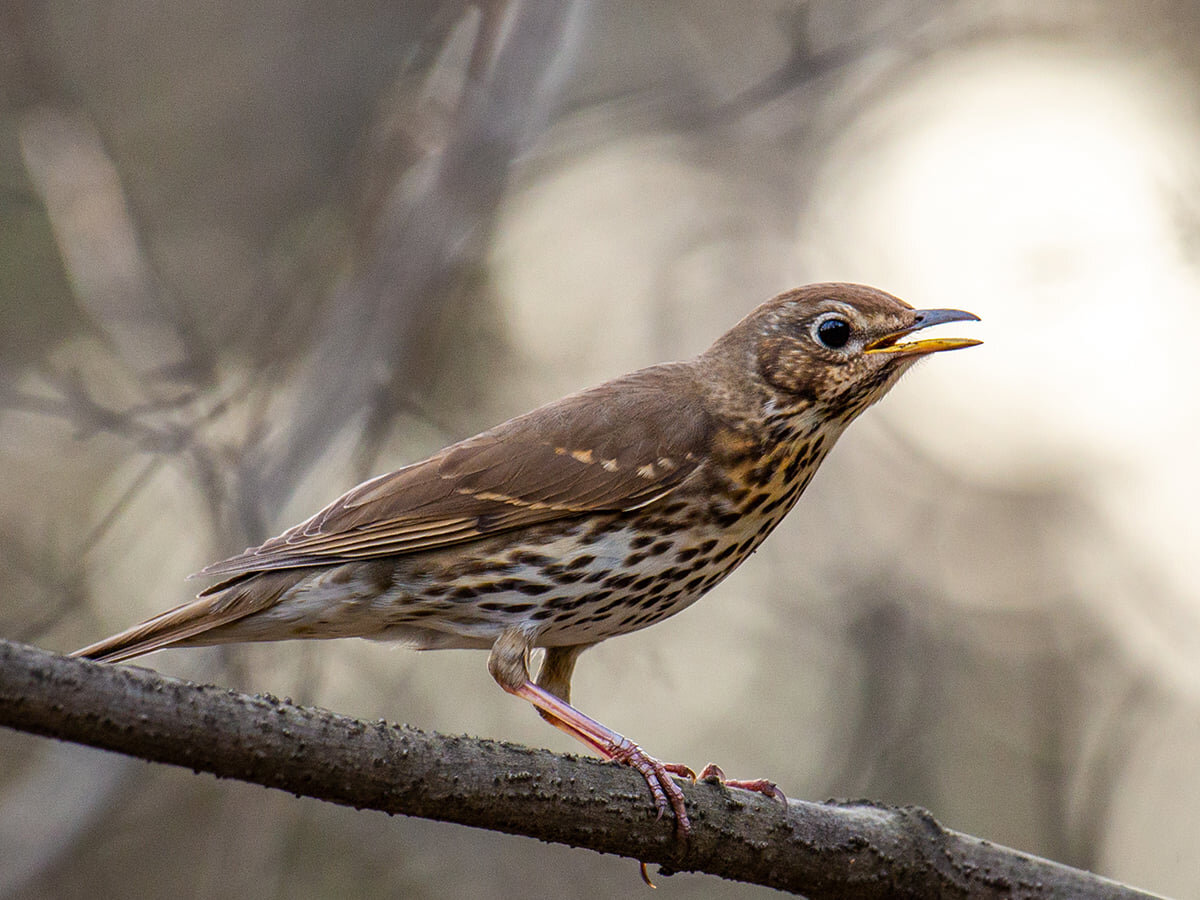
{"x":843,"y":850}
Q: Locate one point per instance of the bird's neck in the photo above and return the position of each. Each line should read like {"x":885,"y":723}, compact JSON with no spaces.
{"x":778,"y":453}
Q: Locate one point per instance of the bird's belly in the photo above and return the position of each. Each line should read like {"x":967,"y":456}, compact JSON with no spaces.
{"x":579,"y":586}
{"x":583,"y":586}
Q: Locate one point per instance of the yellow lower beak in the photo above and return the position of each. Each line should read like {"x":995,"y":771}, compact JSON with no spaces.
{"x":929,"y":345}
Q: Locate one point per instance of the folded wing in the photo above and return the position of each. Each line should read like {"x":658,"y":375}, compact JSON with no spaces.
{"x":611,"y":448}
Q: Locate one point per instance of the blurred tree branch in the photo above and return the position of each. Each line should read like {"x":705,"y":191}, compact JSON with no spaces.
{"x":853,"y":850}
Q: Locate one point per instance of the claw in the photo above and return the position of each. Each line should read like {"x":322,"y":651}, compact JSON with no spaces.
{"x":646,"y":876}
{"x":760,"y":786}
{"x":658,"y":777}
{"x":712,"y":773}
{"x":681,"y":770}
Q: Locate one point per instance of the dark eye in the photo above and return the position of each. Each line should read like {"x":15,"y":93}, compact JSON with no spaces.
{"x":834,"y":333}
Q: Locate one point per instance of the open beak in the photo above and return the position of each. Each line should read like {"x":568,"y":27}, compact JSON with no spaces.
{"x":926,"y":318}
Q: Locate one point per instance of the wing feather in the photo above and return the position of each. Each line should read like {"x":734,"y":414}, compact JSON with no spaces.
{"x":615,"y":447}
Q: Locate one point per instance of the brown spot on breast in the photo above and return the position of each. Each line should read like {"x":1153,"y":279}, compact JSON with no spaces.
{"x":754,"y":502}
{"x":725,"y":554}
{"x":494,"y":606}
{"x":761,"y":474}
{"x":619,"y":582}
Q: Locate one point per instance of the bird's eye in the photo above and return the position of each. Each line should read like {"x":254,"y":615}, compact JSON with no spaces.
{"x":834,"y":333}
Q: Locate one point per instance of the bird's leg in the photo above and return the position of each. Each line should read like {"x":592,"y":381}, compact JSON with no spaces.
{"x":555,"y":676}
{"x":556,"y":671}
{"x":508,"y":663}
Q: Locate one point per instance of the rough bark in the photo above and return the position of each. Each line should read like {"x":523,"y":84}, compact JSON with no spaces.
{"x":823,"y":850}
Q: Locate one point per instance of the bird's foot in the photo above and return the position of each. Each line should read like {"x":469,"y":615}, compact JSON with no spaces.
{"x":658,"y":776}
{"x":610,"y":745}
{"x":712,"y":773}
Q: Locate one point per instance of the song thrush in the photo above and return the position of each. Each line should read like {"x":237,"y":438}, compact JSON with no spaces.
{"x":599,"y":514}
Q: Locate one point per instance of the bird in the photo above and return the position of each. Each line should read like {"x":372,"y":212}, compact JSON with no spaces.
{"x":596,"y":515}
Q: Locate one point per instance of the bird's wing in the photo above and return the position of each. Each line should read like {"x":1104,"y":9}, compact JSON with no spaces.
{"x":616,"y":447}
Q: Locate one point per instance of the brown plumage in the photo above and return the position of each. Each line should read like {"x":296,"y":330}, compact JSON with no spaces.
{"x":592,"y":516}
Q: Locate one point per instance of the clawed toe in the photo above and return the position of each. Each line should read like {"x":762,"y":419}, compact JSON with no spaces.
{"x":658,"y":776}
{"x":681,"y":770}
{"x":760,"y":786}
{"x":712,"y":774}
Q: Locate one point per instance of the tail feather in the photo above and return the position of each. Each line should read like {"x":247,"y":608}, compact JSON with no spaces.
{"x":190,"y":623}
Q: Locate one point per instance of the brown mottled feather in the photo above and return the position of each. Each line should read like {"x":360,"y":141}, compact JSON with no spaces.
{"x":610,"y":448}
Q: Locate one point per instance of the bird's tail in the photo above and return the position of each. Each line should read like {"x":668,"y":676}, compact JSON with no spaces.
{"x":195,"y":623}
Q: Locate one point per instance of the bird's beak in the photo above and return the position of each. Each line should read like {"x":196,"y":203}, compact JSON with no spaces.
{"x":890,"y":343}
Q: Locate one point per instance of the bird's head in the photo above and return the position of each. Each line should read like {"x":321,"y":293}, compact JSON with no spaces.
{"x":834,"y":349}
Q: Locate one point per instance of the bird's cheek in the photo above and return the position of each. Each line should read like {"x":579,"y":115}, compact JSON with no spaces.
{"x":794,"y":374}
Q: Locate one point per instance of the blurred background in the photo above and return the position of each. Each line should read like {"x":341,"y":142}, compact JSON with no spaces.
{"x":251,"y":254}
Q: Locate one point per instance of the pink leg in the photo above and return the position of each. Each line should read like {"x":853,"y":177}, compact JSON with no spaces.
{"x":613,"y":746}
{"x":509,"y":664}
